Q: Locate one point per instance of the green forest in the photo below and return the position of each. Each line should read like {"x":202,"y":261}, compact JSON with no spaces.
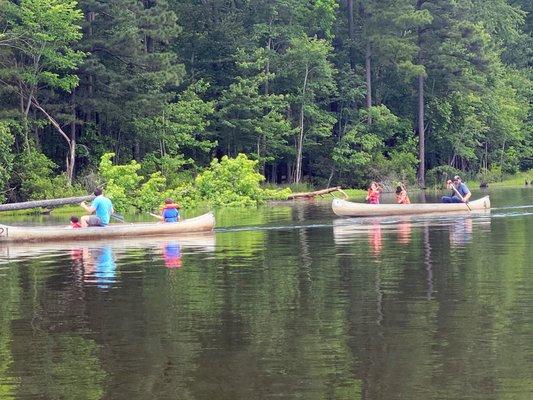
{"x":318,"y":92}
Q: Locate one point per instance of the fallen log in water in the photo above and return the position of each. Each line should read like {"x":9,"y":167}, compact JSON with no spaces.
{"x":44,"y":203}
{"x":309,"y":195}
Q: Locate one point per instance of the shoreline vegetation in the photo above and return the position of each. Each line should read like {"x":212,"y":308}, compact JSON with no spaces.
{"x":316,"y":92}
{"x":516,"y":180}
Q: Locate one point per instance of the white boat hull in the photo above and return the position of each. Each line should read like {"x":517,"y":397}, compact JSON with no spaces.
{"x":202,"y":223}
{"x":345,"y":208}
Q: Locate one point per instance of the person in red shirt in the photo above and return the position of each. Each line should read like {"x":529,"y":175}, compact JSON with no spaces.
{"x":401,"y":195}
{"x":74,"y":222}
{"x":373,"y":193}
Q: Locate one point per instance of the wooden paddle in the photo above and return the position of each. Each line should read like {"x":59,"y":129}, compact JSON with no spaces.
{"x":460,"y":196}
{"x":159,"y":217}
{"x":118,"y":217}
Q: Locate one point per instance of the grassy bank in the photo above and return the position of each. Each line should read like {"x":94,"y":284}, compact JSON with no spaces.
{"x":518,"y":179}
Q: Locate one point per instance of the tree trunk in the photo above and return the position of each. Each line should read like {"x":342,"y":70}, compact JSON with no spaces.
{"x":58,"y":128}
{"x":91,"y":16}
{"x":44,"y":203}
{"x":421,"y":127}
{"x":368,"y":65}
{"x":421,"y":134}
{"x":315,"y":193}
{"x":261,"y":149}
{"x":502,"y":155}
{"x":300,"y":144}
{"x":351,"y":33}
{"x":71,"y":157}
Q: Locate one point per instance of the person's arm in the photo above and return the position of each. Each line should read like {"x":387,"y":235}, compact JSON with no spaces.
{"x":90,"y":209}
{"x":467,"y":196}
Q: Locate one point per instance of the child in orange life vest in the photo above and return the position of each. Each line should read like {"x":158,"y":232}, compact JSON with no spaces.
{"x":170,"y":212}
{"x":373,"y":193}
{"x":74,"y":222}
{"x":401,"y":195}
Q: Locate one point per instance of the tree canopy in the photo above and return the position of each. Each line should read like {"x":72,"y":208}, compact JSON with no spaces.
{"x":318,"y":91}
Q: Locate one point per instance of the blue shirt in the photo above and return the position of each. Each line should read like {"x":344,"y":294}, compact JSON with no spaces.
{"x":463,"y":189}
{"x":103,"y":208}
{"x":171,"y":214}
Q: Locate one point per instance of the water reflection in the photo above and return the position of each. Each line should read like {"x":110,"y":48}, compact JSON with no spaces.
{"x":461,"y":232}
{"x":99,"y":266}
{"x":404,"y":232}
{"x":375,"y":238}
{"x":368,"y":309}
{"x":172,"y":254}
{"x":105,"y":253}
{"x":349,"y":230}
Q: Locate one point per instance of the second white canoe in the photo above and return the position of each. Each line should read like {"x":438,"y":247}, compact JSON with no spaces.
{"x":345,"y":208}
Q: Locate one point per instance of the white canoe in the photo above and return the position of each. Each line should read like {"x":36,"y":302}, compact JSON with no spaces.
{"x":203,"y":223}
{"x":345,"y":208}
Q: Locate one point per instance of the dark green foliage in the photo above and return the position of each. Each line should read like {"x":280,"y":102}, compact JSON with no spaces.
{"x":176,"y":83}
{"x":35,"y":177}
{"x":6,"y":157}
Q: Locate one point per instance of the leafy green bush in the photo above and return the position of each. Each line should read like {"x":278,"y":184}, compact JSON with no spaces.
{"x":494,"y":174}
{"x":234,"y":182}
{"x":121,"y":181}
{"x":231,"y":181}
{"x":152,"y":192}
{"x":35,"y":178}
{"x":228,"y":182}
{"x":175,"y":169}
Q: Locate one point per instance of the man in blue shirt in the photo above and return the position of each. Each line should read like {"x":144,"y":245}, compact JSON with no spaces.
{"x":461,"y":194}
{"x":102,"y":208}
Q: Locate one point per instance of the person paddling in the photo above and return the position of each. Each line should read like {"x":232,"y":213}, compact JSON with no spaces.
{"x":102,"y":208}
{"x":373,"y":193}
{"x":460,"y":193}
{"x":169,"y":212}
{"x":401,"y":195}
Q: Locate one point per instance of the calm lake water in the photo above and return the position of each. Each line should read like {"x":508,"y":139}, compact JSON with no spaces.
{"x":287,"y":302}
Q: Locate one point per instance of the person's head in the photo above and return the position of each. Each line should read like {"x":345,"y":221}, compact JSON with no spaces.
{"x":398,"y":189}
{"x":374,"y":185}
{"x":457,"y":179}
{"x":97,"y":191}
{"x":169,"y":201}
{"x":74,"y":219}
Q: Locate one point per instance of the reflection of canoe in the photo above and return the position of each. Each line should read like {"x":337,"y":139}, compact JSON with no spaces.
{"x":203,"y":223}
{"x":345,"y":208}
{"x":203,"y":242}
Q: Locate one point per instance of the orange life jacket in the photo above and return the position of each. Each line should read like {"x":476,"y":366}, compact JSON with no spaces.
{"x":172,"y":205}
{"x":402,"y":198}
